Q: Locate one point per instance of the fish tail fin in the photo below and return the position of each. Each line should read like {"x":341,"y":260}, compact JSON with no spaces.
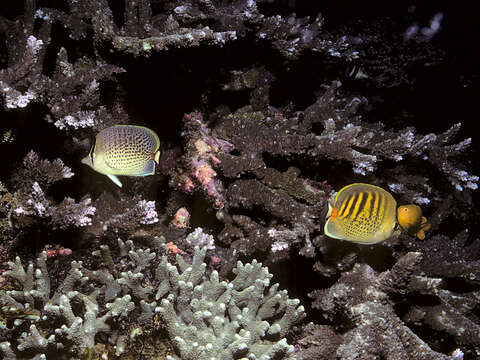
{"x":149,"y":168}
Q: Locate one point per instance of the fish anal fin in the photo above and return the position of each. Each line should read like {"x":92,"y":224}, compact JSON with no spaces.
{"x":115,"y":180}
{"x":149,"y":168}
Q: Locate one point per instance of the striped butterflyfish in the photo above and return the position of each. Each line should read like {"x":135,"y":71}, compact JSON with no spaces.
{"x":361,"y":213}
{"x":124,"y":150}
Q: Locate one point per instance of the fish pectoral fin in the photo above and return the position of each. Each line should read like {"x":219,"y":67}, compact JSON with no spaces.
{"x":149,"y":168}
{"x":425,"y":224}
{"x":115,"y":180}
{"x":421,"y":235}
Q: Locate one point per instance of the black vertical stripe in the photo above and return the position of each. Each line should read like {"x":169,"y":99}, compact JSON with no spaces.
{"x":362,"y":204}
{"x":347,"y":210}
{"x":381,"y":208}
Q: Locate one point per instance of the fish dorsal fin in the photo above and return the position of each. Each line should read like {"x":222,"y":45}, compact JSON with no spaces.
{"x":115,"y":180}
{"x":149,"y":168}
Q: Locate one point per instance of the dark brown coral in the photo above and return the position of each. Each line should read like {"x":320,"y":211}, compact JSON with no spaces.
{"x":361,"y":298}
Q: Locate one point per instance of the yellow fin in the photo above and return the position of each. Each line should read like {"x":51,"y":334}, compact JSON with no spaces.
{"x":421,"y":234}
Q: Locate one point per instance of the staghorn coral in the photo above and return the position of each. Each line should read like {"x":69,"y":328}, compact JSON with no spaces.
{"x":230,"y":318}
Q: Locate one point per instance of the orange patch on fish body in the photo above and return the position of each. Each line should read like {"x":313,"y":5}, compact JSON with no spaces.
{"x":334,"y":214}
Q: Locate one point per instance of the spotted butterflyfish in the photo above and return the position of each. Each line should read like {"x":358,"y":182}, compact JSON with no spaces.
{"x":127,"y":150}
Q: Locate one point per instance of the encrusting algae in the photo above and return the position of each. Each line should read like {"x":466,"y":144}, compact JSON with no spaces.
{"x":367,"y":214}
{"x":124,"y":150}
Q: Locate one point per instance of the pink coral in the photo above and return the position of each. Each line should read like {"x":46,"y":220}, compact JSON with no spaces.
{"x":173,"y":249}
{"x":205,"y":174}
{"x":181,"y":218}
{"x":203,"y":150}
{"x":54,"y":252}
{"x":189,"y":186}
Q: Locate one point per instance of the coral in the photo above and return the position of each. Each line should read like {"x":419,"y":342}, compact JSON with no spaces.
{"x":200,"y":239}
{"x":23,"y":82}
{"x":67,"y":213}
{"x":450,"y":258}
{"x":320,"y":342}
{"x":237,"y":312}
{"x":202,"y":315}
{"x":127,"y":214}
{"x":44,"y":172}
{"x":181,"y":218}
{"x":296,"y":204}
{"x":30,"y":202}
{"x":202,"y":150}
{"x":264,"y":108}
{"x":365,"y":299}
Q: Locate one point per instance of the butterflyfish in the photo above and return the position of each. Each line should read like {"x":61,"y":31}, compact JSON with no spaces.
{"x":411,"y":219}
{"x":128,"y":150}
{"x":361,"y":213}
